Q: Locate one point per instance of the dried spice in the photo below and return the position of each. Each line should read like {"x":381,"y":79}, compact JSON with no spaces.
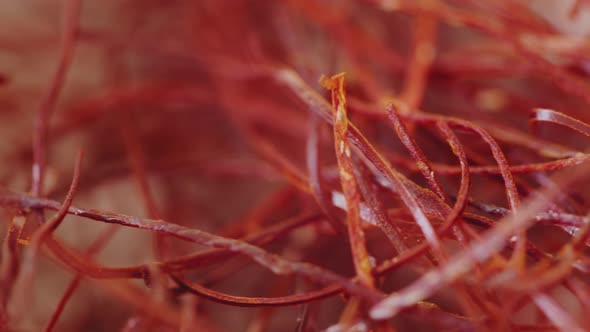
{"x":232,"y":180}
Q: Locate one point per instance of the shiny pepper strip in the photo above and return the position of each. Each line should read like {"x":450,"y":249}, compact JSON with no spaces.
{"x":360,"y":255}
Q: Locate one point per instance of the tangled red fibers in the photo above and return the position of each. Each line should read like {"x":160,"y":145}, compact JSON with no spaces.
{"x":301,"y":165}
